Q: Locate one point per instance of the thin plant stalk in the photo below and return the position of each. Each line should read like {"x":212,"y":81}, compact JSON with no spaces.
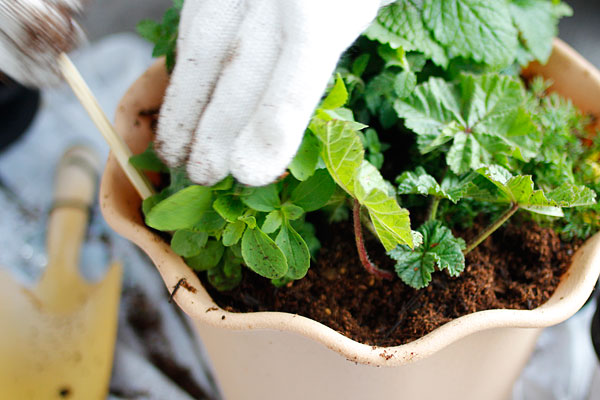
{"x":360,"y":246}
{"x":491,"y":228}
{"x":435,"y":202}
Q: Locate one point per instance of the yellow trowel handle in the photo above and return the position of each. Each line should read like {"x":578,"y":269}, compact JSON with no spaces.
{"x":74,"y":190}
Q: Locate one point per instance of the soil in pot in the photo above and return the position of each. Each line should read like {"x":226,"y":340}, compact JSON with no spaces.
{"x":518,"y":267}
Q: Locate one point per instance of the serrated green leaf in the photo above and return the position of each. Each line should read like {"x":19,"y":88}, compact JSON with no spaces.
{"x":419,"y":182}
{"x":315,"y":192}
{"x":208,"y":257}
{"x":570,"y":195}
{"x":404,"y":83}
{"x":391,"y":222}
{"x":188,"y":243}
{"x":305,"y":162}
{"x":482,"y":116}
{"x":401,"y":25}
{"x":262,"y":255}
{"x":264,"y":198}
{"x":181,"y":210}
{"x":536,"y":38}
{"x":295,"y":250}
{"x":477,"y":29}
{"x":272,"y":221}
{"x":503,"y":187}
{"x":233,"y":233}
{"x":338,"y":95}
{"x":229,"y":207}
{"x":439,"y":248}
{"x":341,"y":150}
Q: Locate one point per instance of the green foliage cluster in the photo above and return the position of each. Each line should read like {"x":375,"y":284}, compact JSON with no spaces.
{"x":163,"y":34}
{"x":440,"y":78}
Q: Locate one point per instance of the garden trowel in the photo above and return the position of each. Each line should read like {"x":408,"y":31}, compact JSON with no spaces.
{"x":57,"y":338}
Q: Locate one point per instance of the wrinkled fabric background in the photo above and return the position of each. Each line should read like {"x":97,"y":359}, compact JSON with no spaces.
{"x":563,"y":366}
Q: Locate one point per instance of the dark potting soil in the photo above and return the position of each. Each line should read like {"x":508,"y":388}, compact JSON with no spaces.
{"x":518,"y":267}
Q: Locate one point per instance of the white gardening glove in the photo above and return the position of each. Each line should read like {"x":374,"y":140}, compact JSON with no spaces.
{"x":248,"y":76}
{"x":32,"y":35}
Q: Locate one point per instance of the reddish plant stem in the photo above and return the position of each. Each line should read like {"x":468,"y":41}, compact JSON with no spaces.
{"x":362,"y":251}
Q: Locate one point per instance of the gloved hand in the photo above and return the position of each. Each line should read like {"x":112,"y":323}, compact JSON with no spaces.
{"x":248,"y":76}
{"x":32,"y":35}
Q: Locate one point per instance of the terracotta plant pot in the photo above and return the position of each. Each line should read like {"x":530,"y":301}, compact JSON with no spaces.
{"x":274,"y":355}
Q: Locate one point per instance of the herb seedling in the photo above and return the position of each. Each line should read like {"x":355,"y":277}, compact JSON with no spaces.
{"x":439,"y":76}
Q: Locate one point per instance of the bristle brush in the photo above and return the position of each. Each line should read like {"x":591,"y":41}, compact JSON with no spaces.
{"x":35,"y":36}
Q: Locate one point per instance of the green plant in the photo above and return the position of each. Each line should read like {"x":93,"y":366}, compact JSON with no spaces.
{"x":440,"y":78}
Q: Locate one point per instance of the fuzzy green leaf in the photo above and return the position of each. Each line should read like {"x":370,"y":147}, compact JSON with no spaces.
{"x":419,"y":182}
{"x":295,"y":250}
{"x":477,"y":29}
{"x":208,"y":257}
{"x":262,"y":255}
{"x":482,"y":116}
{"x":315,"y":192}
{"x":401,"y":25}
{"x":188,"y":243}
{"x":536,"y":38}
{"x":439,"y":248}
{"x":181,"y":210}
{"x":503,"y":187}
{"x":570,"y":195}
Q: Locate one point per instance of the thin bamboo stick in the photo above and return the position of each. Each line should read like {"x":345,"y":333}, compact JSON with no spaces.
{"x":118,"y":147}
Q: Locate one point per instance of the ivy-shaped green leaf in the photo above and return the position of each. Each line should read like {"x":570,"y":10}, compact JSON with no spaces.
{"x":439,"y":248}
{"x":391,"y":222}
{"x":341,"y":150}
